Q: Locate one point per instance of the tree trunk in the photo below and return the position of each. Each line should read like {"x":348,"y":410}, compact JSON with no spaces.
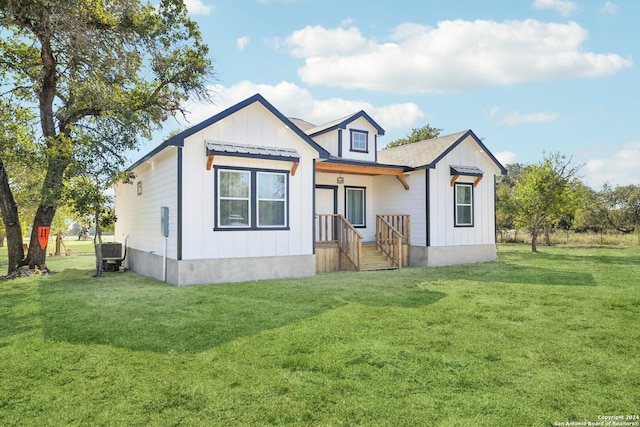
{"x":58,"y":244}
{"x":11,"y":222}
{"x":58,"y":151}
{"x":534,"y":238}
{"x":37,"y":256}
{"x":547,"y":238}
{"x":50,"y":195}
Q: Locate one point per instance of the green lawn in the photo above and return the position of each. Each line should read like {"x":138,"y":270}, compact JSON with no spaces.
{"x":530,"y":340}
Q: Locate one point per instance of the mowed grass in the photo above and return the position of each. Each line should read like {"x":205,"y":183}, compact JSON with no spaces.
{"x":530,"y":340}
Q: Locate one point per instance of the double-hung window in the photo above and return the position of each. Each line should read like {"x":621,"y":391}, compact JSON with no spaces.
{"x":463,"y":204}
{"x":251,"y":199}
{"x":359,"y":141}
{"x":272,"y":199}
{"x":234,"y":191}
{"x":355,"y":206}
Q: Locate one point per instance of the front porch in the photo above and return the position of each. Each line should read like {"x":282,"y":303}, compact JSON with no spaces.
{"x":340,"y":247}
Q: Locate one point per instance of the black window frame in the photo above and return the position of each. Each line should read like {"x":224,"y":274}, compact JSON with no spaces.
{"x":253,"y":199}
{"x":456,"y":204}
{"x":364,"y":205}
{"x":353,"y":132}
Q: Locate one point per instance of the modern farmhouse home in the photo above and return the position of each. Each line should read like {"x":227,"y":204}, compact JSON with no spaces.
{"x":250,"y":194}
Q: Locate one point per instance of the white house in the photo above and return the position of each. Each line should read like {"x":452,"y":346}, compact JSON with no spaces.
{"x":250,"y":194}
{"x":453,"y":208}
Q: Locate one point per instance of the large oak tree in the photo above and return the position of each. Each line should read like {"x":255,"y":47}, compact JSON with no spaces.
{"x":86,"y":67}
{"x":19,"y":161}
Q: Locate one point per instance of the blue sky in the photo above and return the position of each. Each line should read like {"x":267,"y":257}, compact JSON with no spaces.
{"x":529,"y":77}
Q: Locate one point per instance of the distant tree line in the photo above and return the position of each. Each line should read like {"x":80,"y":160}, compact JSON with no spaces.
{"x":550,"y":196}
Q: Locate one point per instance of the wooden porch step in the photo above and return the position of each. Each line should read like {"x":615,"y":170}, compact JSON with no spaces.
{"x":374,"y":259}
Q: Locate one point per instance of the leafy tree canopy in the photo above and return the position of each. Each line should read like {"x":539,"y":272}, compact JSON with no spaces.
{"x":544,"y":192}
{"x":623,"y":207}
{"x":419,"y":134}
{"x":98,"y":75}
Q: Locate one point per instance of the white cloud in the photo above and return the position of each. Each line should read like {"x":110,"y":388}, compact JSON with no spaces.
{"x":622,"y":168}
{"x":610,"y":8}
{"x":397,"y":116}
{"x":515,"y":118}
{"x":455,"y":56}
{"x":197,"y":7}
{"x":346,"y":22}
{"x":242,"y":42}
{"x":318,"y":41}
{"x":494,"y":112}
{"x":506,"y":157}
{"x":407,"y":30}
{"x":564,"y":7}
{"x":294,"y":101}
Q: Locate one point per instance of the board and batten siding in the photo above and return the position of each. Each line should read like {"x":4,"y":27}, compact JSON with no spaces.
{"x":369,"y":232}
{"x":442,"y":230}
{"x":253,"y":125}
{"x":329,"y":141}
{"x":139,"y":214}
{"x":338,"y":141}
{"x":360,"y":124}
{"x":392,"y":198}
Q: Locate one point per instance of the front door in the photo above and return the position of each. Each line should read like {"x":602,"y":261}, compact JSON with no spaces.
{"x":326,"y":203}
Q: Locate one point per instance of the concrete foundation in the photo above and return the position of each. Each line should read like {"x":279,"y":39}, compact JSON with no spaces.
{"x":431,"y":256}
{"x":207,"y":271}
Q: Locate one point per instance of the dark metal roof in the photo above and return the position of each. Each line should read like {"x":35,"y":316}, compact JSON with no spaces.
{"x":342,"y":123}
{"x":255,"y":151}
{"x":466,"y":170}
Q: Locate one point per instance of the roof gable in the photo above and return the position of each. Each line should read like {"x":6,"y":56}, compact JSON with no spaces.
{"x":178,"y":139}
{"x":427,"y":153}
{"x":302,"y":124}
{"x":342,"y":124}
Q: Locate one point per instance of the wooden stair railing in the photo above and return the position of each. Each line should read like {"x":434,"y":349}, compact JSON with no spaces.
{"x":389,"y":240}
{"x":335,"y":228}
{"x":402,"y":223}
{"x":392,"y":231}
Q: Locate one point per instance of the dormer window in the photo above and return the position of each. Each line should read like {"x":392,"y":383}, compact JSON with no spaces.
{"x":360,"y":141}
